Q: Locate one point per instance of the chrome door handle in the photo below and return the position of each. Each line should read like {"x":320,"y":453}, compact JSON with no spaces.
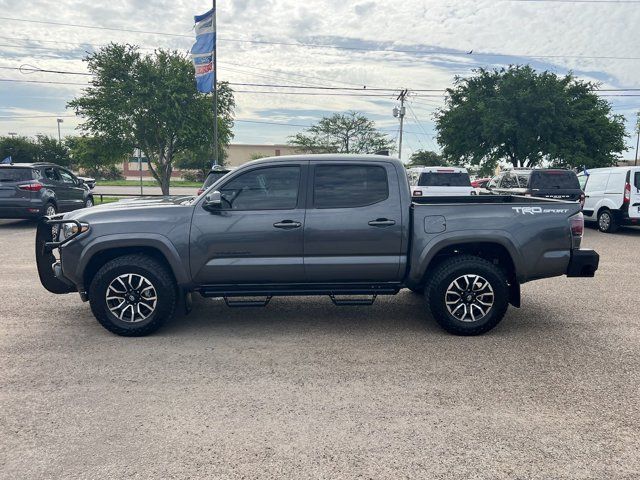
{"x":382,"y":222}
{"x":287,"y":224}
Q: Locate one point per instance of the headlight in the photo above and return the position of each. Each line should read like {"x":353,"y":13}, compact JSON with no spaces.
{"x":69,"y":229}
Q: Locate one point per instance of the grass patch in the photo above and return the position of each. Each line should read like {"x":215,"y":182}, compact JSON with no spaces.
{"x":145,"y":183}
{"x":99,"y":201}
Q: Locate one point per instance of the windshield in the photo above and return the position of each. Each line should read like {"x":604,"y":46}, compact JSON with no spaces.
{"x":444,"y":179}
{"x":15,"y":174}
{"x":554,"y":179}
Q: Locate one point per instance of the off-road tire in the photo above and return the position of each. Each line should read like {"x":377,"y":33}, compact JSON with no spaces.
{"x":449,"y":270}
{"x":611,"y":225}
{"x":157,"y":273}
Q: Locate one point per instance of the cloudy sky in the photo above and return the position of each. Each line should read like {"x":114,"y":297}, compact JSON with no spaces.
{"x":418,"y":45}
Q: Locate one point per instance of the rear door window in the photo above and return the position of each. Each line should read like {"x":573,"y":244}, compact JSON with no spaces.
{"x":554,"y":180}
{"x":523,"y":179}
{"x":349,"y":186}
{"x":636,"y":181}
{"x":8,"y":174}
{"x":444,"y":179}
{"x":51,"y":174}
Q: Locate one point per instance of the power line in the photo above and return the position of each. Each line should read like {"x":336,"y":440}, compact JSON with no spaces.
{"x":318,"y":45}
{"x":575,"y":1}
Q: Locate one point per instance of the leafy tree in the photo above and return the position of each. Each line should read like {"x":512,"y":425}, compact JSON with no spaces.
{"x":426,"y":158}
{"x":96,"y":156}
{"x":342,"y":133}
{"x":20,"y":149}
{"x":151,"y":102}
{"x":525,"y":118}
{"x":48,"y":149}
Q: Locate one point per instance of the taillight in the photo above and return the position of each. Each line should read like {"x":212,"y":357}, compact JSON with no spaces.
{"x":582,"y":198}
{"x":417,"y":193}
{"x":577,"y":225}
{"x":31,"y":187}
{"x":627,"y":193}
{"x":200,"y":190}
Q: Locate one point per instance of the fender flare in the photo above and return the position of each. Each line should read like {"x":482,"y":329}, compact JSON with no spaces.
{"x":437,"y":244}
{"x":150,"y":240}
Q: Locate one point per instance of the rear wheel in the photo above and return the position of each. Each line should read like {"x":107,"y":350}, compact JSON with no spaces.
{"x":607,"y":222}
{"x":133,"y":295}
{"x":88,"y":202}
{"x":467,"y":295}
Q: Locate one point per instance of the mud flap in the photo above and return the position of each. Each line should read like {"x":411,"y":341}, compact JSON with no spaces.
{"x":45,"y":260}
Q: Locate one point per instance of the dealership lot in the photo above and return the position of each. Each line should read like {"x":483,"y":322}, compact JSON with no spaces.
{"x":303,"y":389}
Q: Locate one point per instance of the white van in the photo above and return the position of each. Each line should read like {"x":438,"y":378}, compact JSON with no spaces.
{"x":439,"y":182}
{"x":612,"y":196}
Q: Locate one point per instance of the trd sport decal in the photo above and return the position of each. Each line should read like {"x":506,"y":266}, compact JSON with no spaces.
{"x":536,"y":210}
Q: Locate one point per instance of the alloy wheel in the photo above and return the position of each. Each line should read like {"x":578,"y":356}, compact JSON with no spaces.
{"x":605,"y":221}
{"x":469,"y":298}
{"x":131,"y":298}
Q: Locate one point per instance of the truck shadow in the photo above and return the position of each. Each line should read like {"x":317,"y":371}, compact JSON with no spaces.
{"x":403,"y":314}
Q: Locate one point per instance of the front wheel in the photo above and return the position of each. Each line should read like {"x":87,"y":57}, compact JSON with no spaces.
{"x":133,"y":295}
{"x":88,"y":203}
{"x":467,"y":295}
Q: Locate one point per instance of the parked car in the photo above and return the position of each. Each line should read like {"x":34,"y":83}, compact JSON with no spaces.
{"x":539,"y":182}
{"x":31,"y":190}
{"x":439,"y":181}
{"x":612,"y":196}
{"x":215,"y":174}
{"x":89,"y":182}
{"x":336,"y":225}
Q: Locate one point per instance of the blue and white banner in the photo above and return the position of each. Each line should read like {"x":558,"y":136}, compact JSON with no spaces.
{"x":204,"y":50}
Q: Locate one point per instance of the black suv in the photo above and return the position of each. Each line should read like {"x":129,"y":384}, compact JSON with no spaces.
{"x":538,"y":182}
{"x":31,"y":190}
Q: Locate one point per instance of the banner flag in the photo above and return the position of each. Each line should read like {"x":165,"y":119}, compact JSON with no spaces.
{"x":204,"y":50}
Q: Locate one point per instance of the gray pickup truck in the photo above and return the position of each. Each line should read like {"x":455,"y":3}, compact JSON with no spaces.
{"x":342,"y":226}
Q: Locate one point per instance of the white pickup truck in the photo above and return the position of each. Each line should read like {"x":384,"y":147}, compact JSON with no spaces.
{"x":440,"y":182}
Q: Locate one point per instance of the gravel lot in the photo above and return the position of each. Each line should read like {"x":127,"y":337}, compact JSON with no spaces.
{"x":303,"y":389}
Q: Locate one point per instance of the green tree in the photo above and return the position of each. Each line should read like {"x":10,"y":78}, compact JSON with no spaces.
{"x":48,"y":149}
{"x":95,"y":155}
{"x":426,"y":158}
{"x":525,"y":117}
{"x":151,"y":102}
{"x":342,"y":133}
{"x":20,"y":149}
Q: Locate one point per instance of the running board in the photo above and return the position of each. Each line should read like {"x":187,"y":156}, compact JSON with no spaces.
{"x":247,"y":303}
{"x":345,"y":302}
{"x":273,"y":290}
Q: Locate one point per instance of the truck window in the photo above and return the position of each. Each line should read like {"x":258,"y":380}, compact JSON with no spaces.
{"x":554,"y":179}
{"x":444,"y":179}
{"x":349,"y":186}
{"x":509,"y":181}
{"x":270,"y":188}
{"x":523,"y":179}
{"x":636,"y":181}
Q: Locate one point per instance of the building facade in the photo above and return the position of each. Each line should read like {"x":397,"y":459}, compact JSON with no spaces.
{"x":237,"y":154}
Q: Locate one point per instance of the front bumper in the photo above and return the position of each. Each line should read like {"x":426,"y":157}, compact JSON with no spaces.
{"x":583,"y":263}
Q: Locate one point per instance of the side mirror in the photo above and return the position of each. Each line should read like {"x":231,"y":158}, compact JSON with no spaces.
{"x":213,"y":202}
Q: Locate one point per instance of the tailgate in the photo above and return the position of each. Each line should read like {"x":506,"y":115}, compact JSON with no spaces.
{"x":10,"y":180}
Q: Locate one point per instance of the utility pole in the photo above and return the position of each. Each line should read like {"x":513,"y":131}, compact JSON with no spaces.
{"x":59,"y":120}
{"x":399,"y":113}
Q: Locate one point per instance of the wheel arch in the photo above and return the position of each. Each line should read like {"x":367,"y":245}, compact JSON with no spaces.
{"x":96,"y":254}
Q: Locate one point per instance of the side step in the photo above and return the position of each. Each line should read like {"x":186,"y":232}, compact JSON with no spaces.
{"x":345,"y":302}
{"x":234,"y":302}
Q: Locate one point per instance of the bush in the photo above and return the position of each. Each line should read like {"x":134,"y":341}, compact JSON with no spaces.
{"x":193,"y":176}
{"x":104,"y":173}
